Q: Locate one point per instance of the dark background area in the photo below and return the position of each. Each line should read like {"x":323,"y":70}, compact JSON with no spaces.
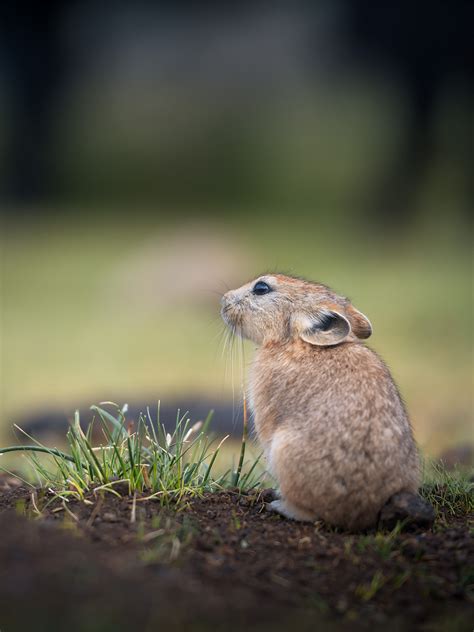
{"x":235,"y":61}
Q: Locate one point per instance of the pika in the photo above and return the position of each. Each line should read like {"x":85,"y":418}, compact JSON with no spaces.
{"x":332,"y":424}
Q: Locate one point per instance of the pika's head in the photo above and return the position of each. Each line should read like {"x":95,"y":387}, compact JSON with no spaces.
{"x":279,"y":308}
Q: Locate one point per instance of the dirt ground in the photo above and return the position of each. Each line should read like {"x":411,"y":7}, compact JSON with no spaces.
{"x":222,"y":562}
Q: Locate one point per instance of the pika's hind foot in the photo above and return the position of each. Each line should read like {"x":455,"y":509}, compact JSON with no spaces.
{"x":409,"y":508}
{"x":286,"y":509}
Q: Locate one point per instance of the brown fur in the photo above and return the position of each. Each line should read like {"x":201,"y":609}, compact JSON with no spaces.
{"x":327,"y":412}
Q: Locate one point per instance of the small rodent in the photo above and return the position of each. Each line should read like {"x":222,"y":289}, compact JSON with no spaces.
{"x":331,"y":421}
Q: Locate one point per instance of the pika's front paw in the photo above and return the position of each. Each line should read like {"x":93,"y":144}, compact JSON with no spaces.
{"x":269,"y":494}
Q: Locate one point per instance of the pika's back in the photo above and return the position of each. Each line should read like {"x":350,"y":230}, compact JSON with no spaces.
{"x":343,"y":381}
{"x":334,"y":429}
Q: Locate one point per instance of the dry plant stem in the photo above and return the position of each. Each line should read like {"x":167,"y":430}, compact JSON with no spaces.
{"x":95,"y":511}
{"x":244,"y":442}
{"x":133,"y":516}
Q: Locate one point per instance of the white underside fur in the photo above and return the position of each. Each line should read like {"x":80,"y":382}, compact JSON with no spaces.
{"x":286,"y":509}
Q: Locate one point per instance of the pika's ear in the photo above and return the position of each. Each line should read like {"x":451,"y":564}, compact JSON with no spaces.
{"x":360,"y":324}
{"x":326,"y":327}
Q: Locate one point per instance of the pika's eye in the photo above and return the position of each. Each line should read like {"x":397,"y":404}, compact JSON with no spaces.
{"x":261,"y":288}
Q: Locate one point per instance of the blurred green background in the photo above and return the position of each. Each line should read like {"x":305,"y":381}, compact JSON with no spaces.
{"x":154,"y":155}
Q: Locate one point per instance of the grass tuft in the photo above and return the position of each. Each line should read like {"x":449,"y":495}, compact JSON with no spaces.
{"x":447,"y":491}
{"x":144,"y":456}
{"x":367,"y":591}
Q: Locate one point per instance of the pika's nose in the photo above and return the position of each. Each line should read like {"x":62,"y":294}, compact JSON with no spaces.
{"x":229,"y":298}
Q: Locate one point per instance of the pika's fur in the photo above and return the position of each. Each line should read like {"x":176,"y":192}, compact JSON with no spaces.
{"x":327,"y":412}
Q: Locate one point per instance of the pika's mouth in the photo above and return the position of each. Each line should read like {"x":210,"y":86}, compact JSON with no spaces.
{"x":231,"y":315}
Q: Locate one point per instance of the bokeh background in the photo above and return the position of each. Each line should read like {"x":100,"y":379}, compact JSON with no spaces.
{"x":154,"y":153}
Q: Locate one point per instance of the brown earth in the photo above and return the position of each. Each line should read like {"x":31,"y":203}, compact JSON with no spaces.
{"x":221,"y":562}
